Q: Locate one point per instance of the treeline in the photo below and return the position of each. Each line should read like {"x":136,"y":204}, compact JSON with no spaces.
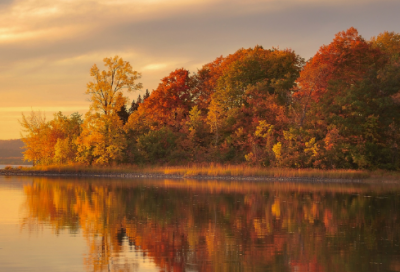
{"x":11,"y":148}
{"x":11,"y":152}
{"x":340,"y":109}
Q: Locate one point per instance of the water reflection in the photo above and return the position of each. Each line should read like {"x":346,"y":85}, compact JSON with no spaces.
{"x":222,"y":226}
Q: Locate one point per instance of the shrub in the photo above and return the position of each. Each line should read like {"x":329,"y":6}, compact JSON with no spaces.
{"x":157,"y":145}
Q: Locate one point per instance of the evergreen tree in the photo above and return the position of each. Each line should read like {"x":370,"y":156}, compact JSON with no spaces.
{"x":135,"y":105}
{"x":146,"y":95}
{"x":123,"y":114}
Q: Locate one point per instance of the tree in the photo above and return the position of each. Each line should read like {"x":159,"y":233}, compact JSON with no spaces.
{"x":347,"y":59}
{"x":32,"y":127}
{"x":157,"y":145}
{"x":388,"y":42}
{"x":170,"y":103}
{"x":53,"y":141}
{"x":103,"y":140}
{"x":205,"y":82}
{"x":146,"y":94}
{"x":215,"y":118}
{"x":135,"y":104}
{"x":139,"y":100}
{"x":123,"y":114}
{"x":277,"y":68}
{"x":107,"y":84}
{"x":196,"y":138}
{"x":345,"y":106}
{"x":65,"y":149}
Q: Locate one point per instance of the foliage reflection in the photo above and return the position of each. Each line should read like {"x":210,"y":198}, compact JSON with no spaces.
{"x":223,"y":226}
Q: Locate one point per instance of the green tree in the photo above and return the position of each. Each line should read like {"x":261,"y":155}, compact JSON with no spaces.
{"x":157,"y":145}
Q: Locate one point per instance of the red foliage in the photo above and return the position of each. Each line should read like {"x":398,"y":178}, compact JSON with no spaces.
{"x":347,"y":58}
{"x":172,"y":98}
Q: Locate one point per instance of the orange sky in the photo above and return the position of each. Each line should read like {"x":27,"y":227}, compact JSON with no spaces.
{"x":47,"y":46}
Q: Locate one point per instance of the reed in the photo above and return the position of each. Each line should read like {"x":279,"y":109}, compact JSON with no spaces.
{"x":78,"y":168}
{"x":251,"y":171}
{"x":213,"y":170}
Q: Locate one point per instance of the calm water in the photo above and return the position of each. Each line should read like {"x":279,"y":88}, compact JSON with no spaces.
{"x":169,"y":225}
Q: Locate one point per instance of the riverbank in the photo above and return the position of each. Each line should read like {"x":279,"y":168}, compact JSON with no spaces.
{"x":173,"y":176}
{"x":210,"y":172}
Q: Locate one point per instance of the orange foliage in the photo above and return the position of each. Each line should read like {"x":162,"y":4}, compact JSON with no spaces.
{"x":172,"y":100}
{"x":346,"y":58}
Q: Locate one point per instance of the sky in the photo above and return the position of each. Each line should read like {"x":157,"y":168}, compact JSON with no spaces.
{"x":47,"y":47}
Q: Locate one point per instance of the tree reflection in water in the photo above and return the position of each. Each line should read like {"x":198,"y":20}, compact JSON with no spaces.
{"x":223,"y":226}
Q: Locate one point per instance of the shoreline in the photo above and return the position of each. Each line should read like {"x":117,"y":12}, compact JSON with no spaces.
{"x":196,"y":177}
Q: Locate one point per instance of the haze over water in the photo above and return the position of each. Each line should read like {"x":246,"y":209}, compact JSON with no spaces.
{"x":186,"y":225}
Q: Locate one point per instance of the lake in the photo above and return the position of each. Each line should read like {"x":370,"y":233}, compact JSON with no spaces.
{"x":77,"y":224}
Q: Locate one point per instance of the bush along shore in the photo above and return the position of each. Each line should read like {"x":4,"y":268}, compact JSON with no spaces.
{"x":209,"y":172}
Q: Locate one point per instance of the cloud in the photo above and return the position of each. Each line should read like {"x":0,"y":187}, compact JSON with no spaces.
{"x":44,"y":109}
{"x":155,"y":66}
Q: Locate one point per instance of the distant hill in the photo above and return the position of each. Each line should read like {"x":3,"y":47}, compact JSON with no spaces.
{"x":11,"y":152}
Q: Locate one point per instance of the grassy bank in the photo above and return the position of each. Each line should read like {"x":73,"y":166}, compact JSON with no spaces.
{"x":214,"y":170}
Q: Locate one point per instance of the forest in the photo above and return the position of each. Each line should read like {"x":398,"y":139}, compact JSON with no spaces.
{"x":261,"y":107}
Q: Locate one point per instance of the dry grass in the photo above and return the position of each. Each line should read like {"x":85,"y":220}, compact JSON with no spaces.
{"x":248,"y":171}
{"x":212,"y":170}
{"x":20,"y":167}
{"x":77,"y":168}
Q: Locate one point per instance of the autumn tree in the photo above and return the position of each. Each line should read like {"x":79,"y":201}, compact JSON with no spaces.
{"x":345,"y":104}
{"x":65,"y":149}
{"x":108,"y":84}
{"x":103,"y":140}
{"x":388,"y":42}
{"x":50,"y":142}
{"x":260,"y":123}
{"x":33,"y":126}
{"x":205,"y":82}
{"x":278,"y":68}
{"x":165,"y":109}
{"x":170,"y":103}
{"x":215,"y":118}
{"x":346,"y":59}
{"x":222,"y":86}
{"x":139,"y":100}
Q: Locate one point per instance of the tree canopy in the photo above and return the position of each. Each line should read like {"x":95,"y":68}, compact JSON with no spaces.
{"x":340,"y":109}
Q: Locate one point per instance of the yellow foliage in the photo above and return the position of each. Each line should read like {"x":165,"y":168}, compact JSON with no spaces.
{"x":106,"y":89}
{"x":277,"y":148}
{"x":263,"y":129}
{"x":311,"y":147}
{"x":102,"y":140}
{"x":214,"y":118}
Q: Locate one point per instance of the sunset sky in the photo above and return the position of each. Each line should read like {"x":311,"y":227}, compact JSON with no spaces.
{"x":48,"y":46}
